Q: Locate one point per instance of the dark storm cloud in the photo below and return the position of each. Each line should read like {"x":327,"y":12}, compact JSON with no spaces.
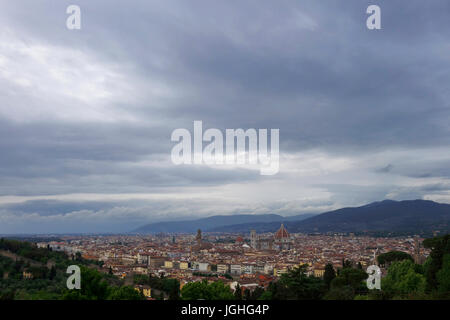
{"x":327,"y":82}
{"x":42,"y":158}
{"x":386,"y":169}
{"x":53,"y":207}
{"x":309,"y":68}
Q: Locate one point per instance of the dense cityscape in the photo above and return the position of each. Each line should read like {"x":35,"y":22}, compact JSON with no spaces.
{"x":250,"y":261}
{"x":185,"y":256}
{"x":213,"y":266}
{"x":210,"y":159}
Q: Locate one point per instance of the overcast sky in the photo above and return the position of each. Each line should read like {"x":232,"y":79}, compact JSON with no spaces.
{"x":86,"y":115}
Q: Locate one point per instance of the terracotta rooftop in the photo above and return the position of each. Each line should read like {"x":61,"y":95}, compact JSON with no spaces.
{"x":281,"y":233}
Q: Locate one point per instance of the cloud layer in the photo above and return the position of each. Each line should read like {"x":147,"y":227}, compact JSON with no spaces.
{"x":86,"y":115}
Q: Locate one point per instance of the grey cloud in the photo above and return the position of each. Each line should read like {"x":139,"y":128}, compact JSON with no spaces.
{"x":385,"y":169}
{"x":309,"y":68}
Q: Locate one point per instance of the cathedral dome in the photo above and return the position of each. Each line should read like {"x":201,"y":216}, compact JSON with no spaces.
{"x":282,"y":233}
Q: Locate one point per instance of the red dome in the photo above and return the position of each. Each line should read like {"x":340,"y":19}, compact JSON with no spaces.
{"x":281,"y":233}
{"x":239,"y":239}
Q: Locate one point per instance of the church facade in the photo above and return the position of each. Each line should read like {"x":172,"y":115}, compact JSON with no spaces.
{"x":280,"y":241}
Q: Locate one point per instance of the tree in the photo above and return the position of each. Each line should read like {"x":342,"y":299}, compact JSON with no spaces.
{"x":353,"y":277}
{"x":238,"y":292}
{"x":172,"y":288}
{"x":443,"y":275}
{"x":385,"y":259}
{"x":340,"y":293}
{"x":93,"y":286}
{"x":256,"y":294}
{"x":247,"y":294}
{"x":346,"y":264}
{"x":52,"y":273}
{"x":8,"y":295}
{"x":439,"y":246}
{"x":270,"y":293}
{"x":348,"y":283}
{"x":403,"y":280}
{"x":296,"y":285}
{"x":78,"y":256}
{"x":202,"y":290}
{"x":219,"y":291}
{"x":329,"y":275}
{"x":125,"y":293}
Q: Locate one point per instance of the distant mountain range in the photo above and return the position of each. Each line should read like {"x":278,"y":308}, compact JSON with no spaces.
{"x":385,"y":216}
{"x":214,"y":222}
{"x":410,"y":216}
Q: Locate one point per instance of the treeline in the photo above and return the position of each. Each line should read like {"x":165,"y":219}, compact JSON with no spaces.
{"x":27,"y":277}
{"x":31,"y":251}
{"x":296,"y":284}
{"x":169,"y":286}
{"x":21,"y":280}
{"x":95,"y":286}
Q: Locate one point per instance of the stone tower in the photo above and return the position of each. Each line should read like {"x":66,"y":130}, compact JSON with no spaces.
{"x":418,"y":258}
{"x":198,"y":237}
{"x":253,"y":239}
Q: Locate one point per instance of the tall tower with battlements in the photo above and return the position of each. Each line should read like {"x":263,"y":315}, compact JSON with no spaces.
{"x":253,"y":239}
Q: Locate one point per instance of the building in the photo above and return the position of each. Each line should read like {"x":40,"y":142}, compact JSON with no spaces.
{"x":319,"y":273}
{"x":258,"y":268}
{"x":201,"y":245}
{"x":282,"y":239}
{"x":247,"y":268}
{"x":222,"y":268}
{"x":145,"y":290}
{"x":198,"y":237}
{"x":258,"y":243}
{"x":418,"y":257}
{"x":235,"y":269}
{"x":203,"y":266}
{"x":142,"y":258}
{"x":156,"y":262}
{"x":42,"y":245}
{"x":279,"y":271}
{"x":268,"y":268}
{"x":140,"y":269}
{"x":253,"y":239}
